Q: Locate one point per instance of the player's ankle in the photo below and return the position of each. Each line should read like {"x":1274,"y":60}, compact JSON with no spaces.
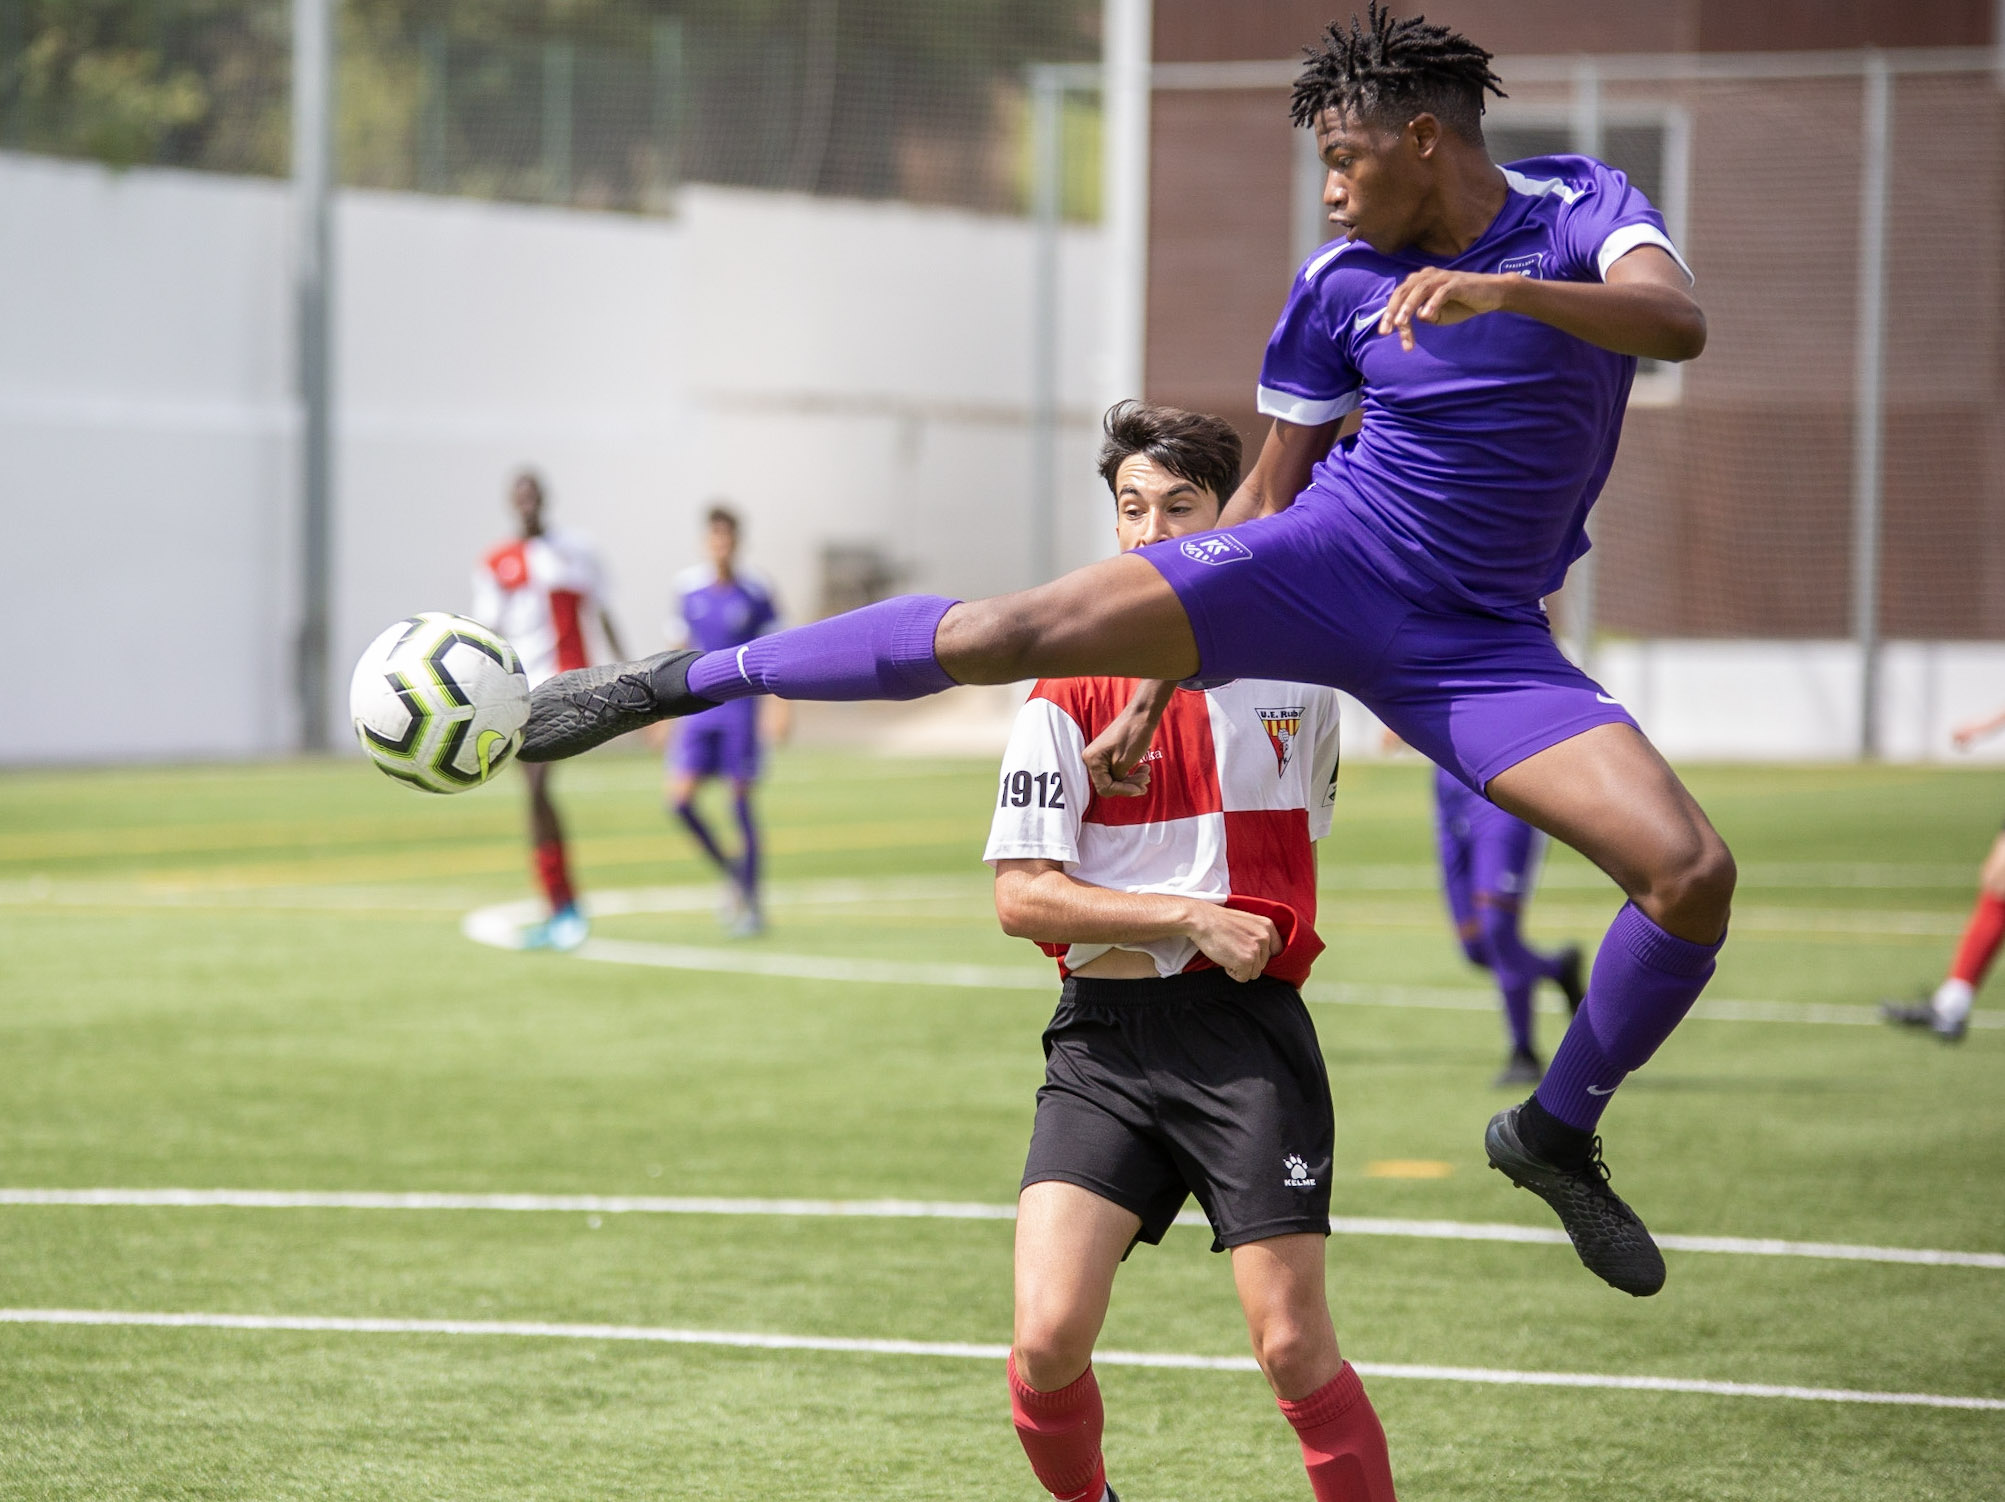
{"x":1550,"y":1138}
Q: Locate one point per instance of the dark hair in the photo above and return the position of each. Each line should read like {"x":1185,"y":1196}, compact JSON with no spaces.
{"x":1192,"y":446}
{"x":721,"y":515}
{"x":1386,"y":71}
{"x":529,"y":477}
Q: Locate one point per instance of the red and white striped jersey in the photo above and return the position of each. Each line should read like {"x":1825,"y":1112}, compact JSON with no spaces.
{"x":538,"y":592}
{"x":1242,"y":782}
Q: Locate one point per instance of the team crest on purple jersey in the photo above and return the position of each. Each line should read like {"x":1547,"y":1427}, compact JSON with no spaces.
{"x":1219,"y":547}
{"x":1523,"y":265}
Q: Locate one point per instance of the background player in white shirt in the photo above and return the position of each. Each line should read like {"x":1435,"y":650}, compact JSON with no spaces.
{"x":539,"y":590}
{"x":1181,"y":1059}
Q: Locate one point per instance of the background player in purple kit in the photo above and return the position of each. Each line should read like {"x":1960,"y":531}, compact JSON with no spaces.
{"x":1488,"y":865}
{"x":1488,"y":322}
{"x":717,"y":607}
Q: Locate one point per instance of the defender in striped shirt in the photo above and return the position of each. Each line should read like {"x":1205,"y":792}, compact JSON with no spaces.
{"x":1181,"y":1060}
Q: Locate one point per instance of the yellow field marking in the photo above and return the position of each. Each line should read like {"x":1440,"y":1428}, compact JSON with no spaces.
{"x":1408,"y":1168}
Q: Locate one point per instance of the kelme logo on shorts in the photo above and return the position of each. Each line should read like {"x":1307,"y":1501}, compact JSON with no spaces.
{"x":1297,"y":1172}
{"x":1219,"y":547}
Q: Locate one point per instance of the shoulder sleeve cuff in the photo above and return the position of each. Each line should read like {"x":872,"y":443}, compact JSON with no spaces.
{"x":1627,"y":238}
{"x":1307,"y":412}
{"x":1031,"y":850}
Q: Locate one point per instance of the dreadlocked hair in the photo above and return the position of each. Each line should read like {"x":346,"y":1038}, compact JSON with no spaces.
{"x":1387,"y":71}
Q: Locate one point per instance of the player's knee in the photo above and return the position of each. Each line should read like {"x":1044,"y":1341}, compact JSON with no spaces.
{"x":1296,"y":1355}
{"x":1697,"y":888}
{"x":1052,"y":1353}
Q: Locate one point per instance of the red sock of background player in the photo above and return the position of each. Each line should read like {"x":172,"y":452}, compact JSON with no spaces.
{"x":1061,"y":1435}
{"x":1974,"y":955}
{"x":555,"y":874}
{"x":1981,"y":937}
{"x":1342,"y":1443}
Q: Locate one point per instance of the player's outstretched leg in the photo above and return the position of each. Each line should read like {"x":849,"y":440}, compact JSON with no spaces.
{"x":1607,"y":793}
{"x":1118,"y":616}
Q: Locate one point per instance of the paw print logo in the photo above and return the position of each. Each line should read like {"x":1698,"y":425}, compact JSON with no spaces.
{"x":1297,"y":1171}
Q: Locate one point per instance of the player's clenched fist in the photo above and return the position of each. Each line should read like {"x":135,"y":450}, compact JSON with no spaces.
{"x":1238,"y":943}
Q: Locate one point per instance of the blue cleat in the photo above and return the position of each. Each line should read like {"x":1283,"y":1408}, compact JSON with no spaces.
{"x":563,"y":930}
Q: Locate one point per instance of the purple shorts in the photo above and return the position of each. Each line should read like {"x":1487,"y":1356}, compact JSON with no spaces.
{"x":720,"y":742}
{"x":1308,"y":594}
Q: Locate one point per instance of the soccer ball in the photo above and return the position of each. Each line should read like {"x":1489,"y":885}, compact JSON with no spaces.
{"x":439,"y":702}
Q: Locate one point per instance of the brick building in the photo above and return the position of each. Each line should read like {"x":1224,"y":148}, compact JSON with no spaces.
{"x":1729,"y":511}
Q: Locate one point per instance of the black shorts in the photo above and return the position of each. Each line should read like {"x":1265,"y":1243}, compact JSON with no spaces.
{"x":1189,"y":1084}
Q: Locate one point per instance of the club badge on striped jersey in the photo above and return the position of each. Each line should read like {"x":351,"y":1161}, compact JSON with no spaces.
{"x":1281,"y":726}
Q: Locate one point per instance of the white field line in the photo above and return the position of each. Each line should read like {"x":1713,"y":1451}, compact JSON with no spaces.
{"x":897,"y":1209}
{"x":500,"y":926}
{"x":957,"y":1350}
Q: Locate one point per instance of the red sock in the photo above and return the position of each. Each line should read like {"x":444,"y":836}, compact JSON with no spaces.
{"x":1980,"y":941}
{"x":1342,"y":1443}
{"x":1061,"y":1435}
{"x":555,"y":874}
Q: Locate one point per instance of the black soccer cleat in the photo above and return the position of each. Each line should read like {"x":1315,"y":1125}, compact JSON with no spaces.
{"x":586,"y":707}
{"x":1570,"y":983}
{"x":1610,"y":1240}
{"x":1521,"y":1068}
{"x":1922,"y":1014}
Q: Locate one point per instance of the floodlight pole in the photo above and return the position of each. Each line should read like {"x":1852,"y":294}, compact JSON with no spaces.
{"x":1869,"y":394}
{"x":312,"y":185}
{"x":1126,"y":49}
{"x":1047,"y":168}
{"x":1584,"y":132}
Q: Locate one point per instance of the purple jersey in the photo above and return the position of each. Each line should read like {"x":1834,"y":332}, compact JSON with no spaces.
{"x":716,"y":614}
{"x":1483,"y":447}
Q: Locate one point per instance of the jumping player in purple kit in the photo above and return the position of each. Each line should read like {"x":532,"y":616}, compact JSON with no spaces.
{"x":1488,"y":861}
{"x":718,"y":607}
{"x":1487,"y":321}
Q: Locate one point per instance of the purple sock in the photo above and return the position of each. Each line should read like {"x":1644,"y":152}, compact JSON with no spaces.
{"x":1644,"y":982}
{"x":700,"y":832}
{"x":748,"y":863}
{"x":883,"y":651}
{"x":1517,"y":968}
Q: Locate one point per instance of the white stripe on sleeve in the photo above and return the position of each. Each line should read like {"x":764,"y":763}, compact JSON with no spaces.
{"x":1304,"y":411}
{"x":1629,"y":237}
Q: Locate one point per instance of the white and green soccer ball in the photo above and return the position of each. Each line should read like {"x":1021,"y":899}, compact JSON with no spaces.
{"x":439,"y":702}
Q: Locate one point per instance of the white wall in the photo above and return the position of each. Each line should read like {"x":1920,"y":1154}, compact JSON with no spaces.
{"x":1799,"y":701}
{"x":845,"y":372}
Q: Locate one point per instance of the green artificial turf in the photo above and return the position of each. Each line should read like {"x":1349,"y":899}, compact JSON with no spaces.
{"x":254,"y":977}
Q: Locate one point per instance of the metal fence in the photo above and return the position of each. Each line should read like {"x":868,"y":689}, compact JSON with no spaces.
{"x":602,"y":104}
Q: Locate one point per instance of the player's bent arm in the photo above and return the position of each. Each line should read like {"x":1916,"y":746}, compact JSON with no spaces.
{"x":1645,"y":306}
{"x":1287,"y":458}
{"x":1114,"y":759}
{"x":1037,"y":899}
